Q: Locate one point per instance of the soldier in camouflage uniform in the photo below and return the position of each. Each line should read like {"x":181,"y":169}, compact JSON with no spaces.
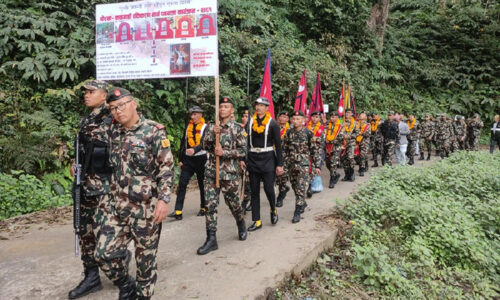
{"x":334,"y":139}
{"x":460,"y":129}
{"x":363,"y":143}
{"x":453,"y":138}
{"x":426,"y":136}
{"x":232,"y":149}
{"x":140,"y":192}
{"x":390,"y":133}
{"x":347,"y":155}
{"x":244,"y":173}
{"x":318,"y":131}
{"x":281,"y":180}
{"x":443,"y":130}
{"x":414,"y":127}
{"x":300,"y":149}
{"x":377,"y":141}
{"x":96,"y":173}
{"x":474,"y":132}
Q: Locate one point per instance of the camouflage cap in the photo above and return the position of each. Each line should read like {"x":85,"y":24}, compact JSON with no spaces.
{"x":117,"y":93}
{"x":95,"y":85}
{"x":195,"y":109}
{"x":262,"y":100}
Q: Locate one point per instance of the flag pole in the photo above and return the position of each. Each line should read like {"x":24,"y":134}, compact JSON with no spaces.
{"x":343,"y":90}
{"x":217,"y":137}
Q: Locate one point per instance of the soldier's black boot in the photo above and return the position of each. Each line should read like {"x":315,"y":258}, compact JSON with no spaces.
{"x":351,"y":175}
{"x":296,"y":214}
{"x":337,"y":177}
{"x":201,"y":212}
{"x":366,"y":166}
{"x":429,"y":156}
{"x":346,"y":175}
{"x":361,"y":171}
{"x":421,"y":156}
{"x":274,"y":217}
{"x":383,"y":162}
{"x":331,"y":185}
{"x":309,"y":192}
{"x":127,"y":288}
{"x":303,"y":207}
{"x":411,"y":162}
{"x":281,"y":197}
{"x":242,"y":230}
{"x":90,"y":283}
{"x":209,"y":245}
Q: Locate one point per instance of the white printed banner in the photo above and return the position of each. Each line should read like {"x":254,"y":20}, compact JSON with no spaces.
{"x":156,"y":39}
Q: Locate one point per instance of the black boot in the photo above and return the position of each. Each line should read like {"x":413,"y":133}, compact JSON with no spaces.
{"x":90,"y":283}
{"x":242,"y":230}
{"x":361,"y":172}
{"x":411,"y":162}
{"x":421,"y":156}
{"x":303,"y":207}
{"x":209,"y":245}
{"x":337,"y":177}
{"x":309,"y":192}
{"x":383,"y":162}
{"x":127,"y":288}
{"x":254,"y":226}
{"x":331,"y":185}
{"x":346,"y":175}
{"x":274,"y":217}
{"x":296,"y":214}
{"x":429,"y":156}
{"x":351,"y":175}
{"x":201,"y":212}
{"x":375,"y":162}
{"x":281,"y":197}
{"x":366,"y":166}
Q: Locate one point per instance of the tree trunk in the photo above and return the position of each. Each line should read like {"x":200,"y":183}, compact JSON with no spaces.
{"x":378,"y":19}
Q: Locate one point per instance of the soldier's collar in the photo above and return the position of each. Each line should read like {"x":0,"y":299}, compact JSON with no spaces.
{"x":98,"y":110}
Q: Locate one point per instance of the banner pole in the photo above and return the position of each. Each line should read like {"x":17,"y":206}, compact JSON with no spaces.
{"x":217,"y":137}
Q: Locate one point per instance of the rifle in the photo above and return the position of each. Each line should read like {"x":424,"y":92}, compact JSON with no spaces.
{"x":77,"y":188}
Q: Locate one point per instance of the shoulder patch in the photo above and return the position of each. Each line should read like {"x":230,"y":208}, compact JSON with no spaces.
{"x":165,"y":143}
{"x":245,"y":134}
{"x":160,"y":126}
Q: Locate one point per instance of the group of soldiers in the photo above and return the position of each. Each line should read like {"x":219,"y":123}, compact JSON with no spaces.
{"x":128,"y":172}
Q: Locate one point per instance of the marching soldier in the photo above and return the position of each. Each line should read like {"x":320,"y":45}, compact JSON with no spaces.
{"x":474,"y":131}
{"x":351,"y":132}
{"x":192,"y":159}
{"x":334,"y":139}
{"x":244,"y":172}
{"x":264,"y":159}
{"x":232,"y":149}
{"x":363,"y":143}
{"x":414,"y":127}
{"x":426,"y":136}
{"x":390,"y":133}
{"x":301,"y":149}
{"x":453,"y":137}
{"x":318,"y":131}
{"x":282,"y":179}
{"x":460,"y":129}
{"x":96,"y":173}
{"x":443,"y":131}
{"x":140,"y":192}
{"x":376,"y":137}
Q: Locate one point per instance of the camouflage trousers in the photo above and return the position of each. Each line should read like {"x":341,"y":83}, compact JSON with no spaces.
{"x":443,"y":145}
{"x":412,"y":148}
{"x":425,"y":144}
{"x":300,"y":180}
{"x":364,"y":148}
{"x":91,"y":210}
{"x":462,"y":144}
{"x":389,"y":150}
{"x":230,"y":191}
{"x":376,"y":146}
{"x":348,"y":158}
{"x":281,"y":180}
{"x":454,"y":145}
{"x":118,"y":228}
{"x":332,"y":160}
{"x":473,"y":142}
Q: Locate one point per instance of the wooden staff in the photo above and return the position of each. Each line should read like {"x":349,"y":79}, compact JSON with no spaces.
{"x":217,"y":137}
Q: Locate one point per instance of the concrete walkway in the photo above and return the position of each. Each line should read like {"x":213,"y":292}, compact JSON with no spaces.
{"x":40,"y":263}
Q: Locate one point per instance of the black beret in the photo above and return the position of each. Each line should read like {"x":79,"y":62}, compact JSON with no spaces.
{"x":117,"y":93}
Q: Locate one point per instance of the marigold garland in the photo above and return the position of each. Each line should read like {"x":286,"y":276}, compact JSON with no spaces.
{"x":262,"y":127}
{"x":331,"y":134}
{"x":375,"y":123}
{"x":351,"y":127}
{"x":284,"y":130}
{"x":360,"y":136}
{"x":197,"y":138}
{"x":316,"y":127}
{"x":412,"y":123}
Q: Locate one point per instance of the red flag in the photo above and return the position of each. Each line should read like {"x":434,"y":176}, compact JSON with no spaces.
{"x":317,"y":98}
{"x":301,"y":99}
{"x":340,"y":108}
{"x":265,"y":88}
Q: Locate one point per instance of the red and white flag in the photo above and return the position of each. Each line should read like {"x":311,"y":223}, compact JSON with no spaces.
{"x":301,"y":99}
{"x":265,"y":88}
{"x":317,"y":98}
{"x":340,"y":108}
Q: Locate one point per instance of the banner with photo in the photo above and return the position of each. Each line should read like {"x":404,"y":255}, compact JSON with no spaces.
{"x":156,"y":39}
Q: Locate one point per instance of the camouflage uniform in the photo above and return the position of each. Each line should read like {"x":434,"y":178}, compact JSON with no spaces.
{"x":142,"y":175}
{"x":376,"y":140}
{"x":282,"y":179}
{"x":300,"y":149}
{"x":349,"y":145}
{"x":426,"y":136}
{"x":390,"y":132}
{"x":453,"y":138}
{"x":474,"y":132}
{"x":333,"y":149}
{"x":363,"y":141}
{"x":234,"y":144}
{"x":413,"y":138}
{"x":443,"y":131}
{"x":320,"y":139}
{"x":460,"y":129}
{"x":93,"y":136}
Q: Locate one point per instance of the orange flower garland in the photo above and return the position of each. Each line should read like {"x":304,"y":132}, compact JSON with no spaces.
{"x":194,"y":141}
{"x":351,"y":127}
{"x":331,"y":134}
{"x":262,"y":127}
{"x":375,"y":124}
{"x":285,"y":129}
{"x":412,"y":123}
{"x":316,"y":127}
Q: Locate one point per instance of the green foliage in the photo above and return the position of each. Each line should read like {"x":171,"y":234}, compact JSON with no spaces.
{"x":22,"y":193}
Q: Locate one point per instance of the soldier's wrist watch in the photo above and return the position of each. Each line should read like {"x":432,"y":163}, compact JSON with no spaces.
{"x":165,"y":198}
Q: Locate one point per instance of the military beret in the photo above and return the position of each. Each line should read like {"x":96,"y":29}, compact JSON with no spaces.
{"x":226,"y":99}
{"x":283,"y":113}
{"x":195,"y":109}
{"x":334,"y":113}
{"x":315,"y":113}
{"x":348,"y":109}
{"x":262,"y":100}
{"x":117,"y":93}
{"x":95,"y":85}
{"x":299,"y":113}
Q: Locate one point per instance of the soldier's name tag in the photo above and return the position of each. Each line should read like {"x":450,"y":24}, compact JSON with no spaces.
{"x":165,"y":143}
{"x":139,"y":144}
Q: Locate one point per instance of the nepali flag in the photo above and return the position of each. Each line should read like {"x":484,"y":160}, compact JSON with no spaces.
{"x":301,"y":99}
{"x":340,"y":108}
{"x":317,"y":99}
{"x":265,"y":88}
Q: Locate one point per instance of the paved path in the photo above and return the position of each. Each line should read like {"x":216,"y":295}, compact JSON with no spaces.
{"x":40,"y":263}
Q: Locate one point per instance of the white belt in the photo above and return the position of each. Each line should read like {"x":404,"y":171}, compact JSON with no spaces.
{"x":202,"y":152}
{"x":495,"y":129}
{"x":259,"y":150}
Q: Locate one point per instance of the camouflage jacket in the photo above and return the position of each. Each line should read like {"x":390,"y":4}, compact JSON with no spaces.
{"x":233,"y":140}
{"x":414,"y":132}
{"x":94,"y":127}
{"x":376,"y":133}
{"x":474,"y":127}
{"x":300,"y":147}
{"x":363,"y":138}
{"x":427,"y":129}
{"x":142,"y":163}
{"x":443,"y":130}
{"x":350,"y":137}
{"x":460,"y":130}
{"x":319,"y":137}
